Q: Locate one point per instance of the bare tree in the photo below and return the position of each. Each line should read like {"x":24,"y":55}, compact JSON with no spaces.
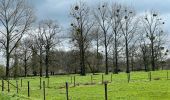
{"x":34,"y":59}
{"x":133,"y":51}
{"x":116,"y":14}
{"x":96,"y":37}
{"x":38,"y":39}
{"x":49,"y":33}
{"x":25,"y":53}
{"x":15,"y":57}
{"x":102,"y":18}
{"x":16,"y":18}
{"x":144,"y":50}
{"x":129,"y":27}
{"x":152,"y":24}
{"x":81,"y":28}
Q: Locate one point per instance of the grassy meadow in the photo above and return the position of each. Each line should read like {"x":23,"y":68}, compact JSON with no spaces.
{"x":139,"y":87}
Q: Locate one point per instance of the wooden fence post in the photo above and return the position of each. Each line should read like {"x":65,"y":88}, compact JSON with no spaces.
{"x":128,"y":77}
{"x":48,"y":82}
{"x":102,"y":78}
{"x":2,"y":85}
{"x":8,"y":86}
{"x":111,"y":77}
{"x":74,"y":81}
{"x":91,"y":79}
{"x":167,"y":75}
{"x":105,"y":86}
{"x":149,"y":76}
{"x":67,"y":91}
{"x":44,"y":89}
{"x":17,"y":86}
{"x":71,"y":80}
{"x":21,"y":82}
{"x":40,"y":82}
{"x":28,"y":89}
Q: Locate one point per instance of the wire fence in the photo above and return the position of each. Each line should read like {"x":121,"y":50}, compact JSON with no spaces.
{"x":67,"y":85}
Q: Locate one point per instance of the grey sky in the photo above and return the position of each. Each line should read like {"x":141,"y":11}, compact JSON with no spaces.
{"x":59,"y":9}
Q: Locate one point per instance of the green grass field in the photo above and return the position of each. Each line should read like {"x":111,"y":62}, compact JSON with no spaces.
{"x":139,"y":87}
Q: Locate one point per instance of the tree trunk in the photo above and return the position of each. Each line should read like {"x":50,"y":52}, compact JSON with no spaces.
{"x":47,"y":62}
{"x":7,"y":64}
{"x":82,"y":64}
{"x":152,"y":54}
{"x":82,"y":53}
{"x":97,"y":54}
{"x":127,"y":57}
{"x":116,"y":55}
{"x":132,"y":62}
{"x":7,"y":56}
{"x":25,"y":64}
{"x":106,"y":54}
{"x":40,"y":63}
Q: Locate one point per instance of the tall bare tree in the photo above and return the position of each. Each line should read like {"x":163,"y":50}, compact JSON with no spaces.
{"x":152,"y":24}
{"x":34,"y":59}
{"x":16,"y":62}
{"x":38,"y":40}
{"x":25,"y":53}
{"x":145,"y":52}
{"x":49,"y":29}
{"x":102,"y":18}
{"x":116,"y":15}
{"x":96,"y":37}
{"x":81,"y":28}
{"x":129,"y":27}
{"x":16,"y":18}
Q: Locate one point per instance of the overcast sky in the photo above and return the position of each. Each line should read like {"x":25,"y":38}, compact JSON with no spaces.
{"x":59,"y":9}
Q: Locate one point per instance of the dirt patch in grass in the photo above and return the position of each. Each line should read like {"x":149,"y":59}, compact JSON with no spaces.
{"x":157,"y":78}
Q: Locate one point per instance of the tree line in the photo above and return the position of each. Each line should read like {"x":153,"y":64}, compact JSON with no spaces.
{"x":105,"y":38}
